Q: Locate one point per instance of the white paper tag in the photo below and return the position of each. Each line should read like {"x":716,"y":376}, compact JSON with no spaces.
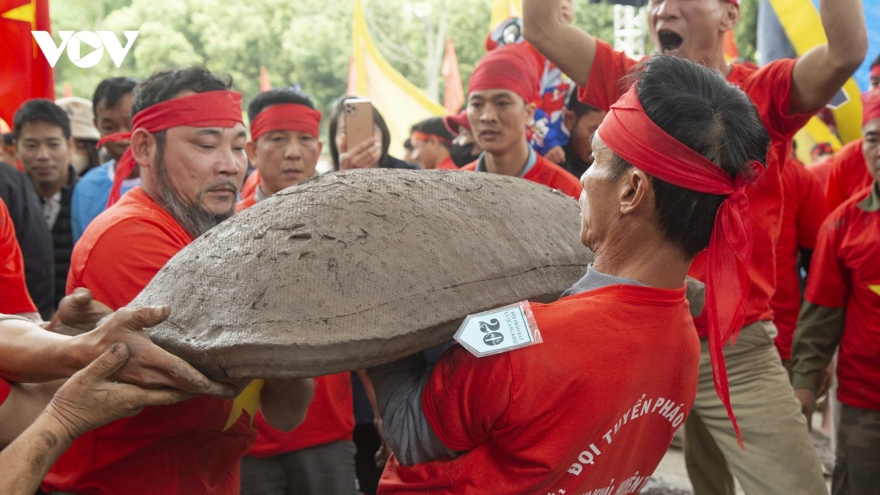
{"x":499,"y":330}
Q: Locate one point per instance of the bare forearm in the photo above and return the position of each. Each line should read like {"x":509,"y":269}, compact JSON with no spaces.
{"x":567,"y":47}
{"x":284,"y":403}
{"x":26,"y":460}
{"x":33,"y":355}
{"x":822,"y":71}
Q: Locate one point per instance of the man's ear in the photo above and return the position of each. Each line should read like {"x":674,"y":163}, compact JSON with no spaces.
{"x":143,"y":147}
{"x":569,"y":119}
{"x":730,"y":17}
{"x":251,"y":149}
{"x":636,"y":192}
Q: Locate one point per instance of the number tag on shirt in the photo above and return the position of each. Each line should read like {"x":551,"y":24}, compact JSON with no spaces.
{"x":499,"y":330}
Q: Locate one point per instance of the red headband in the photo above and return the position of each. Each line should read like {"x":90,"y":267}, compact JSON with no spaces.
{"x":875,"y":71}
{"x":630,"y":133}
{"x":424,"y":136}
{"x":208,"y":109}
{"x":870,"y":105}
{"x":286,"y":117}
{"x":508,"y":67}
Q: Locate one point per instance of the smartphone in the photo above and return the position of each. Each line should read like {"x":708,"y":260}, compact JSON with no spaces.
{"x":358,"y":121}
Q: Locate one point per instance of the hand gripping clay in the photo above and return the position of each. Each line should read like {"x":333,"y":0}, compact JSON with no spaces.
{"x":356,"y":269}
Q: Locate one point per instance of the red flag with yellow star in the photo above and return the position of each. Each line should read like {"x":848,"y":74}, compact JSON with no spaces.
{"x":24,"y":71}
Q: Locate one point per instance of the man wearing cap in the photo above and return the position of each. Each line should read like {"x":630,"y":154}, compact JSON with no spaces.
{"x":778,"y":455}
{"x":592,"y":408}
{"x":318,"y":456}
{"x":503,"y":90}
{"x":849,"y":172}
{"x":44,"y":145}
{"x":112,"y":107}
{"x":432,"y":143}
{"x":464,"y":148}
{"x":843,"y":308}
{"x":189,"y":140}
{"x":84,"y":156}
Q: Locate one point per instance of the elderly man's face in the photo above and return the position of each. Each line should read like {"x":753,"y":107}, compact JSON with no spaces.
{"x":599,"y":200}
{"x":285,"y":158}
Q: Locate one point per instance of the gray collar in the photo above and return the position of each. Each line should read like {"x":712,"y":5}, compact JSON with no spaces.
{"x":596,"y":280}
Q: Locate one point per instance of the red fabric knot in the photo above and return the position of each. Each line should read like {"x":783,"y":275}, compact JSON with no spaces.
{"x":286,"y":117}
{"x":209,"y":109}
{"x":633,"y":136}
{"x":871,"y":105}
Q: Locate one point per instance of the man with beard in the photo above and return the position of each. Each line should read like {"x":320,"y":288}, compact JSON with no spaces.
{"x":778,"y":455}
{"x":189,"y":140}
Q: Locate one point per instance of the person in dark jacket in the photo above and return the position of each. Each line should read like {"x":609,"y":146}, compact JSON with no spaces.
{"x":44,"y":145}
{"x":33,"y":236}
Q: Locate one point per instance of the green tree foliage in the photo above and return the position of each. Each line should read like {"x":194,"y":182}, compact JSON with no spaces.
{"x":306,"y":42}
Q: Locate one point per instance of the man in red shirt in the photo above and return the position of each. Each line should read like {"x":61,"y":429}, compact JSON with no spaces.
{"x":594,"y":406}
{"x":778,"y":455}
{"x":318,"y":456}
{"x":843,"y":308}
{"x":803,"y":211}
{"x":189,"y":141}
{"x":848,"y":173}
{"x":284,"y":157}
{"x":503,"y":91}
{"x":432,"y":142}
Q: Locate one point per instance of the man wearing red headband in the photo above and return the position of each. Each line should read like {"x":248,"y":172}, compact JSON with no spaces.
{"x":189,"y":140}
{"x":432,"y":143}
{"x":317,"y":457}
{"x":501,"y":101}
{"x":592,"y":408}
{"x":842,"y":308}
{"x":849,"y":173}
{"x":778,"y":455}
{"x":287,"y":154}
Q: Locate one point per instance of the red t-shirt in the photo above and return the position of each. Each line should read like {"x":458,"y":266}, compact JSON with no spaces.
{"x":14,"y":296}
{"x":769,"y":88}
{"x":192,"y":447}
{"x":849,"y":175}
{"x":250,"y":185}
{"x":548,"y":173}
{"x":246,"y":203}
{"x":330,"y":416}
{"x":609,"y":385}
{"x":822,"y":169}
{"x":803,"y":212}
{"x":846,"y":273}
{"x":447,"y":164}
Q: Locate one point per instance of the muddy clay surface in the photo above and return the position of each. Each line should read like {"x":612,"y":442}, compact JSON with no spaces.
{"x":356,"y":269}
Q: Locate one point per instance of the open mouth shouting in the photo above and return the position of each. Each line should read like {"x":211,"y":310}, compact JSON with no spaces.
{"x":670,"y":42}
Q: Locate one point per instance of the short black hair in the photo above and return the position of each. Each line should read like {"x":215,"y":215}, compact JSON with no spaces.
{"x":278,"y":96}
{"x":408,"y":144}
{"x":40,"y":110}
{"x":876,"y":61}
{"x":111,"y":90}
{"x":164,"y":85}
{"x":697,"y":107}
{"x":435,"y":127}
{"x":574,"y":103}
{"x":336,"y":114}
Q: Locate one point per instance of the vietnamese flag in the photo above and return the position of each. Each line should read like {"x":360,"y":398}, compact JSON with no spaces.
{"x":24,"y":71}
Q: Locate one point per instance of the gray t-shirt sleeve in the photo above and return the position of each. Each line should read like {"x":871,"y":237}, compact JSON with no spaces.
{"x":399,"y":387}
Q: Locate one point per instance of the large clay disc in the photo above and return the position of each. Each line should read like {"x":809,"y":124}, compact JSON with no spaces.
{"x":359,"y":268}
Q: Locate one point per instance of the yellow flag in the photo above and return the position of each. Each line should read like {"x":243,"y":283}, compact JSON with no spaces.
{"x":504,"y":9}
{"x":399,"y":101}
